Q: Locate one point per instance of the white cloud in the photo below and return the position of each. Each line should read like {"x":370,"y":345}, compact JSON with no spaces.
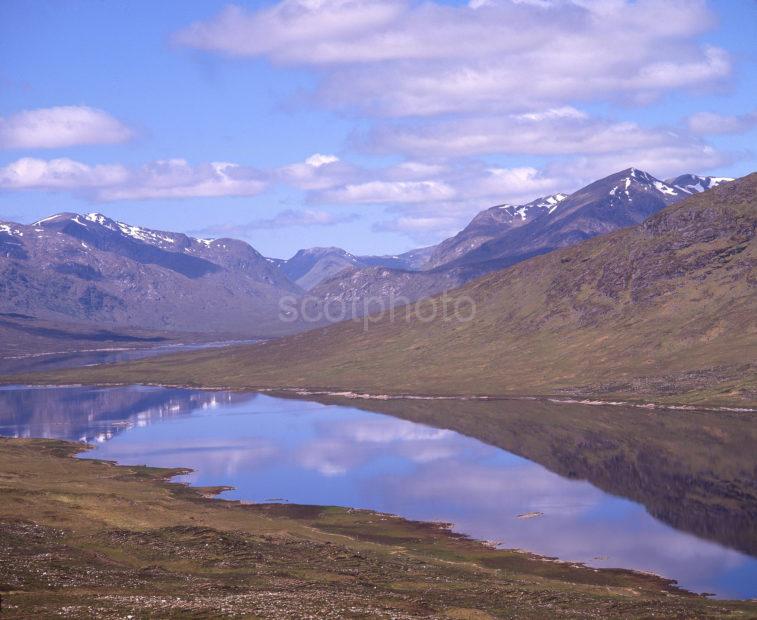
{"x":317,"y":160}
{"x":535,"y":133}
{"x":662,"y":162}
{"x":31,"y":173}
{"x":449,"y":82}
{"x":294,"y":30}
{"x":317,"y":172}
{"x":391,"y":192}
{"x":62,"y":126}
{"x":514,"y":183}
{"x":401,"y":58}
{"x":710,"y":123}
{"x":552,"y":114}
{"x":173,"y":178}
{"x":176,"y":178}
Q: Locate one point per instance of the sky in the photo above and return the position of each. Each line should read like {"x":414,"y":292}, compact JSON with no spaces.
{"x":373,"y":125}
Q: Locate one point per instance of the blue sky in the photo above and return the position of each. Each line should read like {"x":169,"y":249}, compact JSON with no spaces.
{"x":375,"y":126}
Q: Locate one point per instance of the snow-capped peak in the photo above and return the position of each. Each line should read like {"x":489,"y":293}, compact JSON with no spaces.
{"x":694,"y":184}
{"x":10,"y":230}
{"x":135,"y":232}
{"x":638,"y":180}
{"x":98,"y":218}
{"x":551,"y":202}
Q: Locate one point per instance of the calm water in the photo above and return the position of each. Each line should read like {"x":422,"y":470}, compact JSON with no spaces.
{"x":274,"y":449}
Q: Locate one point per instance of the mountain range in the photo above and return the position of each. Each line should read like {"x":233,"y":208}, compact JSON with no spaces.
{"x":662,"y":310}
{"x":504,"y":235}
{"x":90,"y":270}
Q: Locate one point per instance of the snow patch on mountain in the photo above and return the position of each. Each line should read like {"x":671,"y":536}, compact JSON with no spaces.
{"x":550,"y":203}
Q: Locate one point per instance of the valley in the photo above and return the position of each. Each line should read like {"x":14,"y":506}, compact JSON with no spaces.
{"x":378,"y":309}
{"x":662,"y":311}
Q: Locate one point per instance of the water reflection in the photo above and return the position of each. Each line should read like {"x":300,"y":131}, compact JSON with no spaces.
{"x":308,"y":452}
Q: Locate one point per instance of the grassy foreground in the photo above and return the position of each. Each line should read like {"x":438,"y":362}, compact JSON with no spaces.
{"x":84,"y":538}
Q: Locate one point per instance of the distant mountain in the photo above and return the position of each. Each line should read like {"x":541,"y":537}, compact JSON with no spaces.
{"x":490,"y":224}
{"x":694,"y":184}
{"x":309,"y":267}
{"x":502,"y":236}
{"x":355,"y":292}
{"x":662,"y":310}
{"x":92,"y":269}
{"x":413,"y":260}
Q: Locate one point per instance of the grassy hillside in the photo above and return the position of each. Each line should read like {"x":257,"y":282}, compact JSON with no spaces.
{"x":664,"y":310}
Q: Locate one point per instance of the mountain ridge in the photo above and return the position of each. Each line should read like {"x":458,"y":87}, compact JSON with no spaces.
{"x":90,"y":268}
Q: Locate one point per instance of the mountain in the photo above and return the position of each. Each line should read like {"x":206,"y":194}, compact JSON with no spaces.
{"x":311,"y":266}
{"x":490,"y":224}
{"x":355,"y":292}
{"x":502,"y":236}
{"x":92,"y":269}
{"x":694,"y":184}
{"x":617,"y":201}
{"x":308,"y":267}
{"x":663,"y":310}
{"x":412,"y":260}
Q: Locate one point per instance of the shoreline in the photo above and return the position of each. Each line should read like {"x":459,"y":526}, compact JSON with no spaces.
{"x":589,"y":400}
{"x":137,"y":519}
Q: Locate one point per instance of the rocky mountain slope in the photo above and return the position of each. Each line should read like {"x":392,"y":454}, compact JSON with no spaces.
{"x":663,"y":310}
{"x":91,"y":269}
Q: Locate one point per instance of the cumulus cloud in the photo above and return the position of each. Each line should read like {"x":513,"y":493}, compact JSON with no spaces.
{"x":710,"y":123}
{"x":174,"y":178}
{"x":661,"y":162}
{"x":393,"y":192}
{"x":401,"y":58}
{"x":317,"y":172}
{"x":448,"y":83}
{"x":442,"y":188}
{"x":58,"y":174}
{"x":551,"y":132}
{"x":59,"y":127}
